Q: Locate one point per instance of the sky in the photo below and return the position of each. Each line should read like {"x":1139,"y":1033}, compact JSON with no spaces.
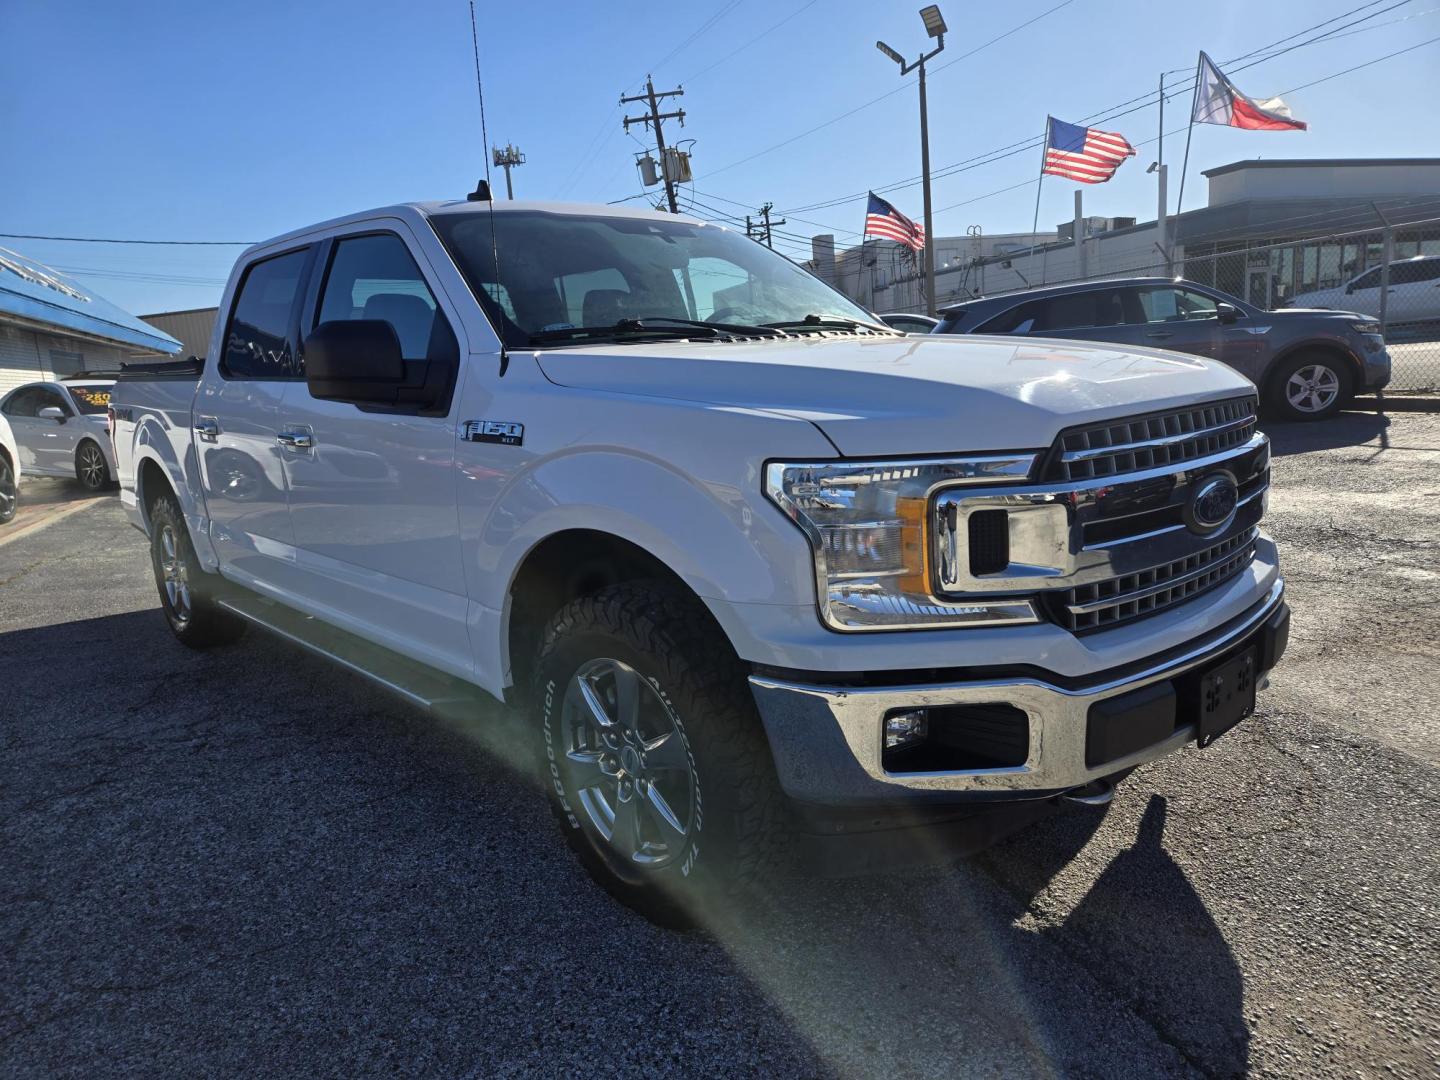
{"x":212,"y":121}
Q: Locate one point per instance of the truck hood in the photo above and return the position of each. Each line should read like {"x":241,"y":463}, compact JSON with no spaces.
{"x":907,"y":395}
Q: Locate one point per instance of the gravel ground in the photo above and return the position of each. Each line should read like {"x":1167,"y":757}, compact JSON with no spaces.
{"x":246,"y":860}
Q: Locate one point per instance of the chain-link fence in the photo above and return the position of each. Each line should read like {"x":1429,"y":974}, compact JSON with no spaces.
{"x":1390,"y":273}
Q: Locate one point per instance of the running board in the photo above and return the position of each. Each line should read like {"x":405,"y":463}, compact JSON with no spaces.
{"x":411,"y":680}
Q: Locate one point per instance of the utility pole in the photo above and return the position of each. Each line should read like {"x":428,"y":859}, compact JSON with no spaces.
{"x":652,"y":119}
{"x":764,"y":212}
{"x":507,"y":159}
{"x":935,"y":27}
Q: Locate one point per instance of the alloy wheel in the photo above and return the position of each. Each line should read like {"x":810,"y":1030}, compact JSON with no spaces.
{"x":175,"y":574}
{"x":1312,"y":388}
{"x":628,"y":761}
{"x":92,"y":467}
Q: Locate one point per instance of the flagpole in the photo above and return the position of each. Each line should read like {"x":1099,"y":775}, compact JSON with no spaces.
{"x":1189,"y":131}
{"x":1039,"y":186}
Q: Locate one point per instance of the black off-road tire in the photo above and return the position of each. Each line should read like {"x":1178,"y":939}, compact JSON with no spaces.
{"x":1277,"y":386}
{"x":197,"y":621}
{"x":740,"y":840}
{"x":91,"y":468}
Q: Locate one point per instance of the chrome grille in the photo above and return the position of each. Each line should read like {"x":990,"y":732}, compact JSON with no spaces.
{"x":1137,"y":443}
{"x":1104,"y":604}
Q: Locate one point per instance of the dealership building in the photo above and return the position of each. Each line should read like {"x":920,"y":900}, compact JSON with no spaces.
{"x":1269,"y":230}
{"x":51,"y":327}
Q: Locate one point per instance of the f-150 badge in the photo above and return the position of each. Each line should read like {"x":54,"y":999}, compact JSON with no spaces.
{"x":503,"y":432}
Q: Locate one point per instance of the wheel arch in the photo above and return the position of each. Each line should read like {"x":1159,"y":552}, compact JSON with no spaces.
{"x":564,"y":566}
{"x":1332,"y":349}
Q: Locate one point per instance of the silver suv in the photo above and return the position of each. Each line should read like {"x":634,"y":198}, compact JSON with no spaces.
{"x":1308,"y":364}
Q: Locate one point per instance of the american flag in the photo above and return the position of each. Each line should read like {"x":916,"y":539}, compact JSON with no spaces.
{"x":884,"y":221}
{"x":1088,"y":155}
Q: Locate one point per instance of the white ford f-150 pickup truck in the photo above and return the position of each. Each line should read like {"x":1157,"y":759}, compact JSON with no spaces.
{"x":772,"y":580}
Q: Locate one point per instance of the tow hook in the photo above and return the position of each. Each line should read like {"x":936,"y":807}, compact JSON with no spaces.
{"x":1095,"y":793}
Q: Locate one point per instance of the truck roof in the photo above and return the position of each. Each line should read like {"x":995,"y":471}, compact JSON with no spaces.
{"x":416,"y":212}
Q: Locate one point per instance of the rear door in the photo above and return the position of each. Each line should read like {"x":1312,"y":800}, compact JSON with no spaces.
{"x":1414,"y":291}
{"x":237,"y":420}
{"x":373,"y":489}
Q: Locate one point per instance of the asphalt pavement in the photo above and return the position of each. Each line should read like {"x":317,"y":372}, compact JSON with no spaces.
{"x":248,"y":861}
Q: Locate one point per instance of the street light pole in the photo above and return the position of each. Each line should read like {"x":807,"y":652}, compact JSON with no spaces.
{"x":935,"y":27}
{"x":925,"y":188}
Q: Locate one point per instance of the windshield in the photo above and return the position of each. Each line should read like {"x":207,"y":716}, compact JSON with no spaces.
{"x":90,"y":400}
{"x":563,"y":271}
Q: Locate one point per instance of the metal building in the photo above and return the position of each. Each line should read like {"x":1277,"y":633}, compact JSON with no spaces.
{"x":51,"y":326}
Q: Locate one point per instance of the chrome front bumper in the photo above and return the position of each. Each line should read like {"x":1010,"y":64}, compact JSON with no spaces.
{"x":828,"y":741}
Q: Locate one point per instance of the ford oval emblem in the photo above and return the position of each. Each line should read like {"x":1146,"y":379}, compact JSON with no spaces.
{"x":1213,"y":502}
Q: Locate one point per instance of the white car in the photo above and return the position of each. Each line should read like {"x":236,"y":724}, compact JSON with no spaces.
{"x":9,"y":473}
{"x":61,"y":429}
{"x":760,"y":569}
{"x":1413,"y":294}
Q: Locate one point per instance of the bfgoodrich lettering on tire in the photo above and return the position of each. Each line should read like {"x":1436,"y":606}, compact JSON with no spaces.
{"x":655,"y":761}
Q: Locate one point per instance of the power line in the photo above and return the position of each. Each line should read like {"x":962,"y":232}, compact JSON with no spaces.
{"x":763,"y":34}
{"x":100,"y":240}
{"x":899,"y":89}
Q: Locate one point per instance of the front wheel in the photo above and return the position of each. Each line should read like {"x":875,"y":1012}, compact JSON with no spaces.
{"x":9,"y":492}
{"x":187,"y":593}
{"x":657,"y":765}
{"x":91,"y":468}
{"x":1311,"y":386}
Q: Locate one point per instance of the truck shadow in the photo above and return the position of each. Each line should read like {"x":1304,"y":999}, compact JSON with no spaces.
{"x":257,"y":834}
{"x":918,"y":974}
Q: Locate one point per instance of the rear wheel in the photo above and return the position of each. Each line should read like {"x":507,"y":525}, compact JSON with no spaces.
{"x":91,"y":468}
{"x":658,"y":768}
{"x":1311,"y":386}
{"x":187,"y":593}
{"x":9,"y":492}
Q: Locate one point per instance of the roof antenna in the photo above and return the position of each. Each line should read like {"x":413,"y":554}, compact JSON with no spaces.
{"x":482,"y":188}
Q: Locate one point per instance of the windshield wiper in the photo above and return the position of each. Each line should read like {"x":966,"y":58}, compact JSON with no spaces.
{"x":831,"y":322}
{"x":766,"y":330}
{"x":623,"y":328}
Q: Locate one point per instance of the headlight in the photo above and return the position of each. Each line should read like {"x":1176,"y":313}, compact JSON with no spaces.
{"x":867,"y":525}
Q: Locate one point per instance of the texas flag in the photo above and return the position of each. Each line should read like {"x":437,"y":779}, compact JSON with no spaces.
{"x":1218,"y":102}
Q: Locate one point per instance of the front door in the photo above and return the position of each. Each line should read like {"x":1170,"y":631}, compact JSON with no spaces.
{"x":373,"y":489}
{"x":236,"y":422}
{"x":46,"y":445}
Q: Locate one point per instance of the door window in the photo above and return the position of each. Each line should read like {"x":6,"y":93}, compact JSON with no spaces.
{"x":1368,"y":280}
{"x":374,"y":277}
{"x":1177,"y":305}
{"x":257,"y":342}
{"x":1412,"y":273}
{"x":31,"y":400}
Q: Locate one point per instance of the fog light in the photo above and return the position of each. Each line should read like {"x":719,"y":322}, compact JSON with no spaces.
{"x":903,"y":729}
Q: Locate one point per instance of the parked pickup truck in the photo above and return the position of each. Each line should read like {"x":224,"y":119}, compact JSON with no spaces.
{"x":770,"y":579}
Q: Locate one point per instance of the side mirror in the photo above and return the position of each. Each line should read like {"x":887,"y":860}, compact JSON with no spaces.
{"x":1226,"y":313}
{"x":355,"y":360}
{"x":52,"y":412}
{"x":1349,"y":288}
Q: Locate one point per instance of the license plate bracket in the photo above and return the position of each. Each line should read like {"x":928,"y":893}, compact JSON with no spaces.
{"x":1226,"y":695}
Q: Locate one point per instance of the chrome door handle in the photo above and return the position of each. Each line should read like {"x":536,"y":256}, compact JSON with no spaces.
{"x":1160,"y":334}
{"x":207,"y":429}
{"x":295,"y":440}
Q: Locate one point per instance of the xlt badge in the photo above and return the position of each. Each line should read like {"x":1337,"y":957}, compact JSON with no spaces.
{"x":504,"y":432}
